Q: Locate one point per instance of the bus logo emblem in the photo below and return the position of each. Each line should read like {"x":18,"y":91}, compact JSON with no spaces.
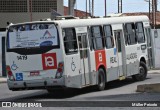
{"x":47,"y":33}
{"x":49,"y":61}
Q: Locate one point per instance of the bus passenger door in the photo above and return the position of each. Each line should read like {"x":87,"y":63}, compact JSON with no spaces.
{"x":120,"y":54}
{"x":84,"y":55}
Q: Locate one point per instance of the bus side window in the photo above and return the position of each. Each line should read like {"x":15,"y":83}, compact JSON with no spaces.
{"x":140,"y":32}
{"x":108,"y":36}
{"x":130,"y":27}
{"x":90,"y":38}
{"x":97,"y":37}
{"x":70,"y":41}
{"x":125,"y":34}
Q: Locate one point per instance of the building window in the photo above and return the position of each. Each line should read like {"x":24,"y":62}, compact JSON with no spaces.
{"x":22,"y":5}
{"x":96,"y":36}
{"x":130,"y":33}
{"x":13,"y":6}
{"x":70,"y":41}
{"x":140,"y":32}
{"x":108,"y":36}
{"x":43,"y":5}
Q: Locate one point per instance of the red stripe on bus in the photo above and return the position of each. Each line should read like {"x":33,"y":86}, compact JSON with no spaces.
{"x":100,"y":58}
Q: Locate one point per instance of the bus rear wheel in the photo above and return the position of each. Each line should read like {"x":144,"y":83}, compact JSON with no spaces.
{"x":142,"y":72}
{"x":101,"y":80}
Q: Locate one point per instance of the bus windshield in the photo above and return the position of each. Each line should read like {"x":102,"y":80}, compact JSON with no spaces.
{"x":32,"y":36}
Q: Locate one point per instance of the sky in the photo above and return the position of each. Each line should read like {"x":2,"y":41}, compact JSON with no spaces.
{"x":112,"y":6}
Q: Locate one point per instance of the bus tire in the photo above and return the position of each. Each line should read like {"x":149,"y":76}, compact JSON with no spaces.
{"x":142,"y":72}
{"x":101,"y":80}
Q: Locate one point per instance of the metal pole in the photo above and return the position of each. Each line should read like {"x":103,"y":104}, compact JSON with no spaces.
{"x":118,"y":6}
{"x":105,"y":7}
{"x":155,"y":12}
{"x":121,"y":6}
{"x":92,"y":7}
{"x":86,"y":7}
{"x":71,"y":5}
{"x":149,"y":10}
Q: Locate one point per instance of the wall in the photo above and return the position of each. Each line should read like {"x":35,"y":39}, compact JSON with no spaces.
{"x":156,"y":42}
{"x":17,"y":17}
{"x":1,"y":35}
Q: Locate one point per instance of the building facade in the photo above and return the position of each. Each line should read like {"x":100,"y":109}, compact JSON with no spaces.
{"x":16,"y":11}
{"x":77,"y":13}
{"x":157,"y":24}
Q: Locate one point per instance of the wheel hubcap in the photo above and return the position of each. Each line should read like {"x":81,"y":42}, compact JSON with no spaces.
{"x":141,"y":71}
{"x":101,"y":80}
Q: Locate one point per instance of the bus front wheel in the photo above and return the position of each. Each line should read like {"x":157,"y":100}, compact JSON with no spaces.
{"x":101,"y":80}
{"x":142,"y":72}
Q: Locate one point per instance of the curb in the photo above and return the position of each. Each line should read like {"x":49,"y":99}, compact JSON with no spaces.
{"x":148,"y":88}
{"x":154,"y":71}
{"x":3,"y":80}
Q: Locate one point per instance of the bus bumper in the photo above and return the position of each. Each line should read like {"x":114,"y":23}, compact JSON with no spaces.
{"x":36,"y":84}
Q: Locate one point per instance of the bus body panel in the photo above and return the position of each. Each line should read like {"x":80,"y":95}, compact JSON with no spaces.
{"x":132,"y":59}
{"x":77,"y":66}
{"x":93,"y":72}
{"x":35,"y":74}
{"x":35,"y":63}
{"x":112,"y":64}
{"x":72,"y":69}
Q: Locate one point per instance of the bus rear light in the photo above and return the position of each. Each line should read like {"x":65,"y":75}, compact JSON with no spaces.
{"x":9,"y":73}
{"x":10,"y":76}
{"x":59,"y":70}
{"x":8,"y":68}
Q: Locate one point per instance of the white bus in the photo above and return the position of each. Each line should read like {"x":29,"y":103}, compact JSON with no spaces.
{"x":76,"y":53}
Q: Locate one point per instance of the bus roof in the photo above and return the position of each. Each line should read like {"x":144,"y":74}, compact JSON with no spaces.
{"x":93,"y":21}
{"x":98,"y":21}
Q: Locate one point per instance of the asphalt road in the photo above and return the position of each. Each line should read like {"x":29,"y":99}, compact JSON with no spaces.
{"x":115,"y":92}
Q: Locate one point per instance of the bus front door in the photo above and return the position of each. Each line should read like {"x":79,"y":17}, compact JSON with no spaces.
{"x":122,"y":71}
{"x":84,"y":58}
